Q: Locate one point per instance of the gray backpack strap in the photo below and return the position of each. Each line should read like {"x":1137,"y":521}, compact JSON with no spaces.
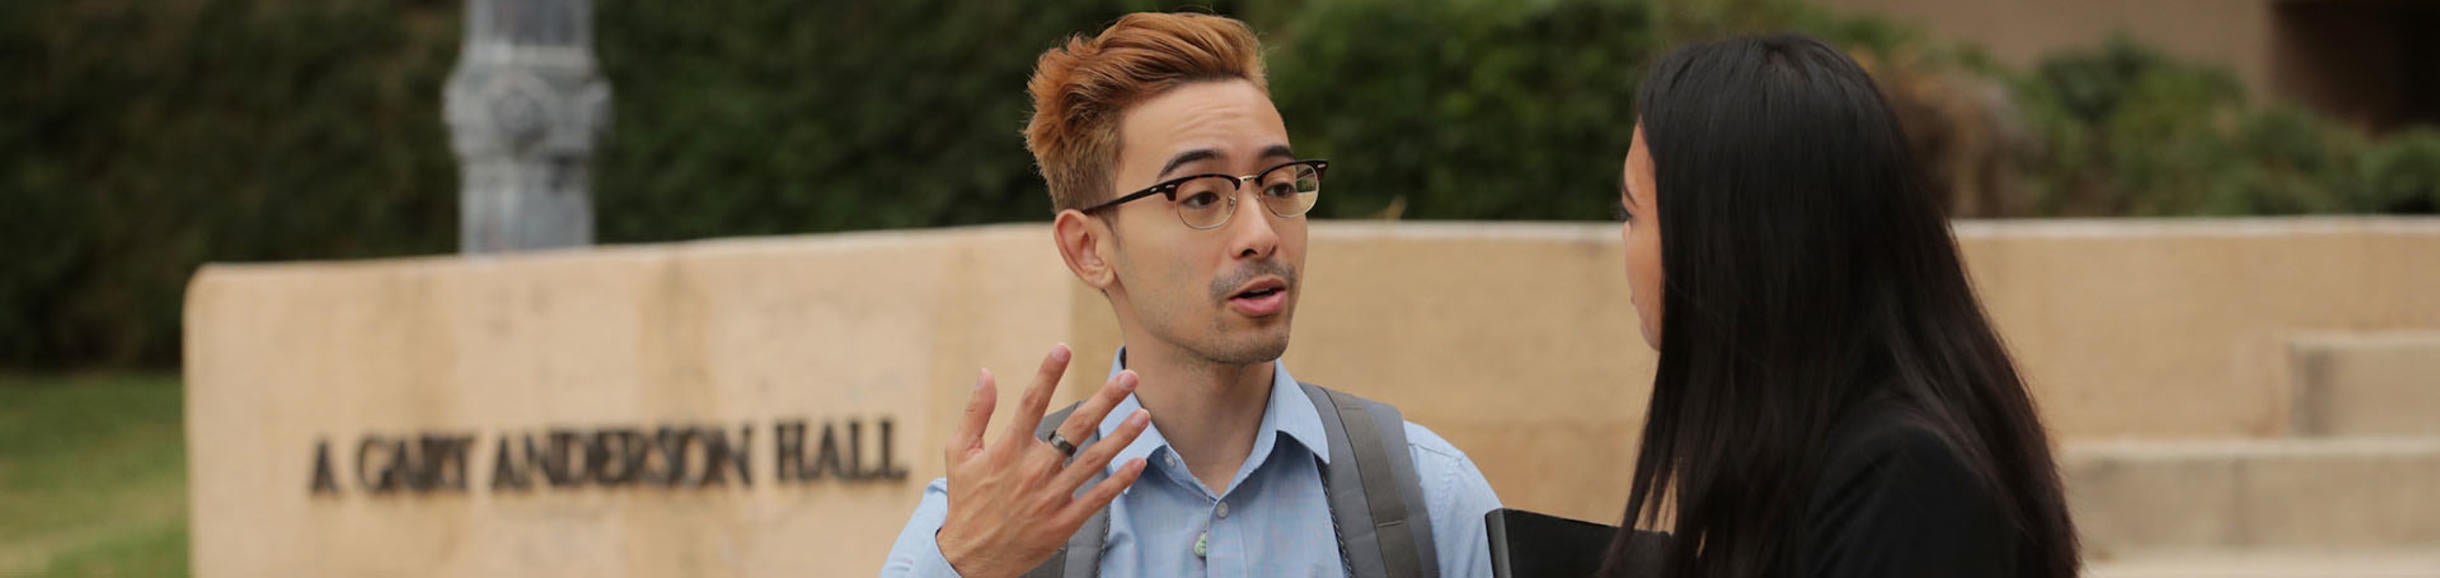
{"x":1376,"y":499}
{"x":1086,"y":544}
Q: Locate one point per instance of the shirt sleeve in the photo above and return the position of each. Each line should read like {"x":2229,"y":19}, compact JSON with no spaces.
{"x":1902,"y":503}
{"x":1457,"y":496}
{"x":916,"y":553}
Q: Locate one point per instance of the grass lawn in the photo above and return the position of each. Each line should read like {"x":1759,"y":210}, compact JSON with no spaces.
{"x":92,"y":476}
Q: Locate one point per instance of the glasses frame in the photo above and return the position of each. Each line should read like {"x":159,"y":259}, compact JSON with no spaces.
{"x":1169,"y":189}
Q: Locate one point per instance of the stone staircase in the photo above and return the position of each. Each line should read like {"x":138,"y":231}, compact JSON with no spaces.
{"x":2353,"y":490}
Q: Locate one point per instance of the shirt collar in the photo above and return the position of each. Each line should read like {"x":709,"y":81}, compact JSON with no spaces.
{"x":1289,"y":412}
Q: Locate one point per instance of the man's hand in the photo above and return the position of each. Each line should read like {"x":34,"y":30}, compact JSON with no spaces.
{"x":1014,"y":503}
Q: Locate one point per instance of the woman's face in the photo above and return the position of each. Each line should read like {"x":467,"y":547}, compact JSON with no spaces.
{"x":1641,"y":229}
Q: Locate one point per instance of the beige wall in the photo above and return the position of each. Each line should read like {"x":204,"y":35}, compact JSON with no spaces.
{"x":723,"y":333}
{"x":1515,"y":341}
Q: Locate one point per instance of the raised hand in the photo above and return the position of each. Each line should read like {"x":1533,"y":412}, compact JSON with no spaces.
{"x":1014,"y":502}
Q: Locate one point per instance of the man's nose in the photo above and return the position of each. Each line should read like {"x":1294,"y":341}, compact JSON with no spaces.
{"x":1251,"y":235}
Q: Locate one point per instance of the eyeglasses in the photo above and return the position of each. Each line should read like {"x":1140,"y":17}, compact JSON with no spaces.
{"x":1207,"y":201}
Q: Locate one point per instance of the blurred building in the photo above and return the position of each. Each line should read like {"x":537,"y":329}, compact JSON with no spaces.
{"x":2374,"y":63}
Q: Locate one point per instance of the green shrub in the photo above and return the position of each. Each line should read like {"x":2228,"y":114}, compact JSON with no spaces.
{"x":1464,"y":110}
{"x":756,"y":117}
{"x":140,"y":140}
{"x":2129,"y":131}
{"x":2401,"y":174}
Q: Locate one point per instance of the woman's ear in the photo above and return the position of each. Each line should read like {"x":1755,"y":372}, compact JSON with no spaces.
{"x":1084,"y":244}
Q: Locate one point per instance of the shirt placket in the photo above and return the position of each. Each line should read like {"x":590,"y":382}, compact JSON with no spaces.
{"x":1219,"y":546}
{"x":1174,"y":470}
{"x":1227,"y":549}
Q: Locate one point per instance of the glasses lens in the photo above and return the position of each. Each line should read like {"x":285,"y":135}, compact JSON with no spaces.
{"x":1205,"y":202}
{"x":1291,"y":190}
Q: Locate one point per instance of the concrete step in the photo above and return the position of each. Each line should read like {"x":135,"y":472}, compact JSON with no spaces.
{"x":2367,"y":384}
{"x":2245,"y":564}
{"x":2132,"y":499}
{"x":2371,"y":564}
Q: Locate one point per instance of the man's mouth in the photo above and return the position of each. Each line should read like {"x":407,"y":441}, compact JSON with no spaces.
{"x":1262,"y":298}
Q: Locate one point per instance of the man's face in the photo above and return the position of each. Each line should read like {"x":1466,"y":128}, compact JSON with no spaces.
{"x":1225,"y":294}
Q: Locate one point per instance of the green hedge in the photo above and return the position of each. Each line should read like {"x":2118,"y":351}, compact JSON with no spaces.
{"x":759,"y":117}
{"x":139,"y":142}
{"x":2129,"y":131}
{"x":1464,"y":110}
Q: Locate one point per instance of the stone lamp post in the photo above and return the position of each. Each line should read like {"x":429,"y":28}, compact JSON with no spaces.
{"x":525,"y":106}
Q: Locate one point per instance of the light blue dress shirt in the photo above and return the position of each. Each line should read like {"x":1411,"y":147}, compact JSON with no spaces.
{"x":1272,"y":522}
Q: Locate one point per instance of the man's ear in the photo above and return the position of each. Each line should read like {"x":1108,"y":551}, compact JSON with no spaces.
{"x":1085,"y":245}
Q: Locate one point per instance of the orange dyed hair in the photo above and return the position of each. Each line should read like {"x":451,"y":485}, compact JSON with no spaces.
{"x":1081,"y":90}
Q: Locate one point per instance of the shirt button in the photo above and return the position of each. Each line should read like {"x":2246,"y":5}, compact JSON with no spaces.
{"x":1223,"y":510}
{"x":1173,"y":460}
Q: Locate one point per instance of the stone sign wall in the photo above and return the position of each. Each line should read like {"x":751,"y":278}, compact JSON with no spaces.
{"x":772,"y":407}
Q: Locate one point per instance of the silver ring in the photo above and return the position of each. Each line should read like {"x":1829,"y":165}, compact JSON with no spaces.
{"x":1061,"y":443}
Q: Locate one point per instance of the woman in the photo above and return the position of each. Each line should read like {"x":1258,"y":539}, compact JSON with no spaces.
{"x":1831,"y":400}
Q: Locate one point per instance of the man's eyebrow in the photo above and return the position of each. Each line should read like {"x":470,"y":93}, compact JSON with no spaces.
{"x":1187,"y":157}
{"x":1278,"y":151}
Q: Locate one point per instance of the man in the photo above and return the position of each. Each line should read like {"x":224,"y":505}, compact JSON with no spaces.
{"x":1180,"y":200}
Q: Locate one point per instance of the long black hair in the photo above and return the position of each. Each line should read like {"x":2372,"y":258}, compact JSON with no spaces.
{"x":1807,"y":269}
